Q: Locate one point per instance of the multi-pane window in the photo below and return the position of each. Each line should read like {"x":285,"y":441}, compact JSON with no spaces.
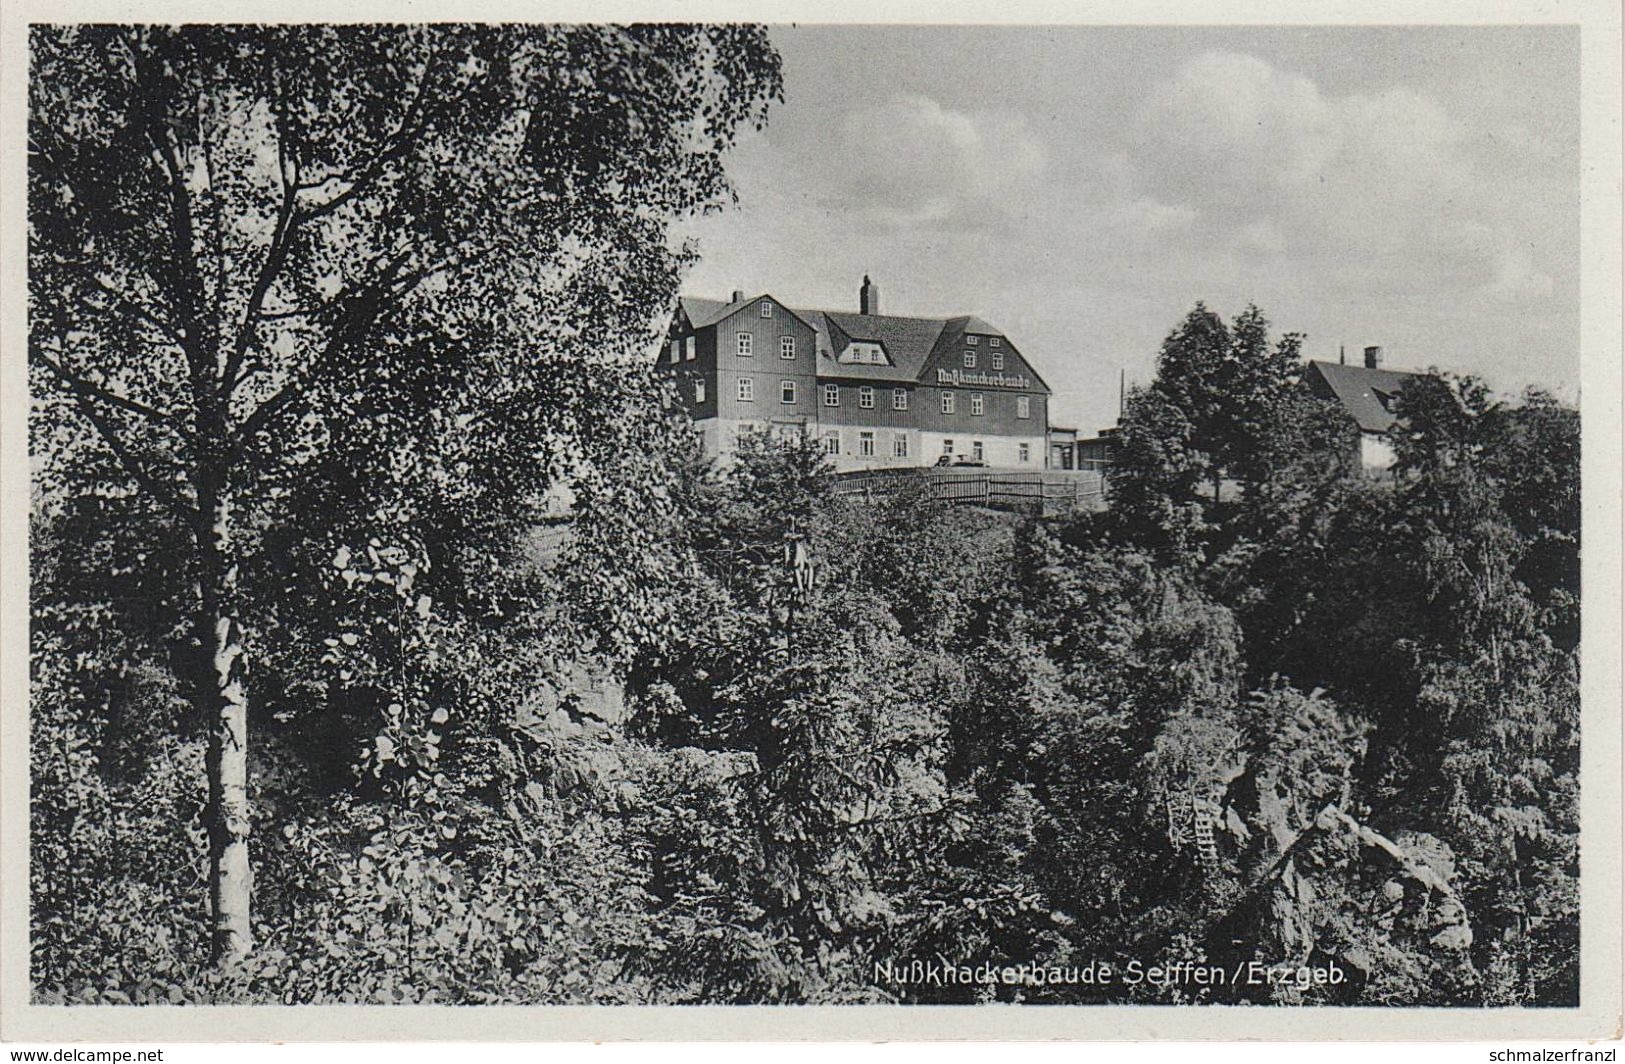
{"x":688,"y":349}
{"x":866,"y":444}
{"x":787,"y":391}
{"x":973,"y":340}
{"x":747,"y":390}
{"x":998,"y":360}
{"x":1025,"y":452}
{"x":994,"y":341}
{"x":787,"y":347}
{"x":866,"y":397}
{"x":976,"y":402}
{"x":1024,"y":406}
{"x":899,"y":398}
{"x":699,"y":390}
{"x":947,"y":402}
{"x":970,"y":359}
{"x":744,"y":345}
{"x":948,"y":448}
{"x":832,"y":443}
{"x":976,"y":450}
{"x":832,"y":395}
{"x":767,"y":308}
{"x":899,"y":446}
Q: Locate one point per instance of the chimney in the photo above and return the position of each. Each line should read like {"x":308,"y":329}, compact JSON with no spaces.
{"x":737,"y":296}
{"x":869,"y":297}
{"x":1373,"y":357}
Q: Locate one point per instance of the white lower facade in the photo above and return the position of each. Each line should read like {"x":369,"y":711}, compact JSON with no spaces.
{"x":999,"y":452}
{"x":1376,"y":453}
{"x":853,"y":447}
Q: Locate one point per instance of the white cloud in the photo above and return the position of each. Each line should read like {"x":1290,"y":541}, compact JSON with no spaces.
{"x":1384,"y":187}
{"x":911,"y":161}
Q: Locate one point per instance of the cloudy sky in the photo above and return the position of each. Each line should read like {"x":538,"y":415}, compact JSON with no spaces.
{"x":1083,"y":187}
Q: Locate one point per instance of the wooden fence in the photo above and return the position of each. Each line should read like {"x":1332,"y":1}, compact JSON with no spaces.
{"x":1048,"y":492}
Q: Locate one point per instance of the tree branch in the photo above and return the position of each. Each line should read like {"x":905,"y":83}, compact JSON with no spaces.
{"x":395,"y":147}
{"x":189,"y":292}
{"x":281,"y":241}
{"x":83,"y":386}
{"x":164,"y":494}
{"x":359,"y":312}
{"x":137,"y":310}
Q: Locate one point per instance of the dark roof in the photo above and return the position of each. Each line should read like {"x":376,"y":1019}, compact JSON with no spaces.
{"x":703,"y":312}
{"x":1367,"y":394}
{"x":909,"y":342}
{"x":970,"y":323}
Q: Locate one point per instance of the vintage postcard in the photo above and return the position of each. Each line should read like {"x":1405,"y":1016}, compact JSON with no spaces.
{"x":767,"y":521}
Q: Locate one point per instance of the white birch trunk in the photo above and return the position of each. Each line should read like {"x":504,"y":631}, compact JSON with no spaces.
{"x":230,"y":877}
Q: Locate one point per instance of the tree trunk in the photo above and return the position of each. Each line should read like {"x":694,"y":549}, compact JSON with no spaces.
{"x":225,"y":702}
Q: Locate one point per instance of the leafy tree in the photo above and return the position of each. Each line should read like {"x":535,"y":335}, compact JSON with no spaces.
{"x":1225,"y":405}
{"x":298,"y":292}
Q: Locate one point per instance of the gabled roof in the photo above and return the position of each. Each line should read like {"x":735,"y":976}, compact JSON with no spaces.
{"x":702,"y":312}
{"x":970,"y":323}
{"x":909,"y":342}
{"x":1367,"y":394}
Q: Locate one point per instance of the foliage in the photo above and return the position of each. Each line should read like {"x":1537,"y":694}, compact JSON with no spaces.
{"x":1261,"y":710}
{"x":341,"y":308}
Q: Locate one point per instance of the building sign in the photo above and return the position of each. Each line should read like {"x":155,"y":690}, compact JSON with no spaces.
{"x":975,"y":378}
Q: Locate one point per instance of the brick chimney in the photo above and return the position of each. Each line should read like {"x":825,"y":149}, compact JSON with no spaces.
{"x":1373,"y":357}
{"x":869,"y":297}
{"x":737,"y":296}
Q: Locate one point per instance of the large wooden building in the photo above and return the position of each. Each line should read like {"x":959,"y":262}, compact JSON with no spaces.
{"x":876,"y":390}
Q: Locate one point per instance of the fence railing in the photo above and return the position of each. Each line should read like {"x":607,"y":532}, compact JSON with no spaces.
{"x":1049,"y":491}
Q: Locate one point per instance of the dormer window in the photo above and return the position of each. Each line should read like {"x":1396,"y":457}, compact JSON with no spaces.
{"x":864,"y":353}
{"x":767,"y":308}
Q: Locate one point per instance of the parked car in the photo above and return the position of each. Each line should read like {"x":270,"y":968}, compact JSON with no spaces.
{"x":976,"y":463}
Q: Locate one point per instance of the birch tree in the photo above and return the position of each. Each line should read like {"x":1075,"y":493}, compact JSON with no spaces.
{"x":246,"y":241}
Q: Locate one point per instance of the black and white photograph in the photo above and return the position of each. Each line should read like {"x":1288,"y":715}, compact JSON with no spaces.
{"x":757,"y":512}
